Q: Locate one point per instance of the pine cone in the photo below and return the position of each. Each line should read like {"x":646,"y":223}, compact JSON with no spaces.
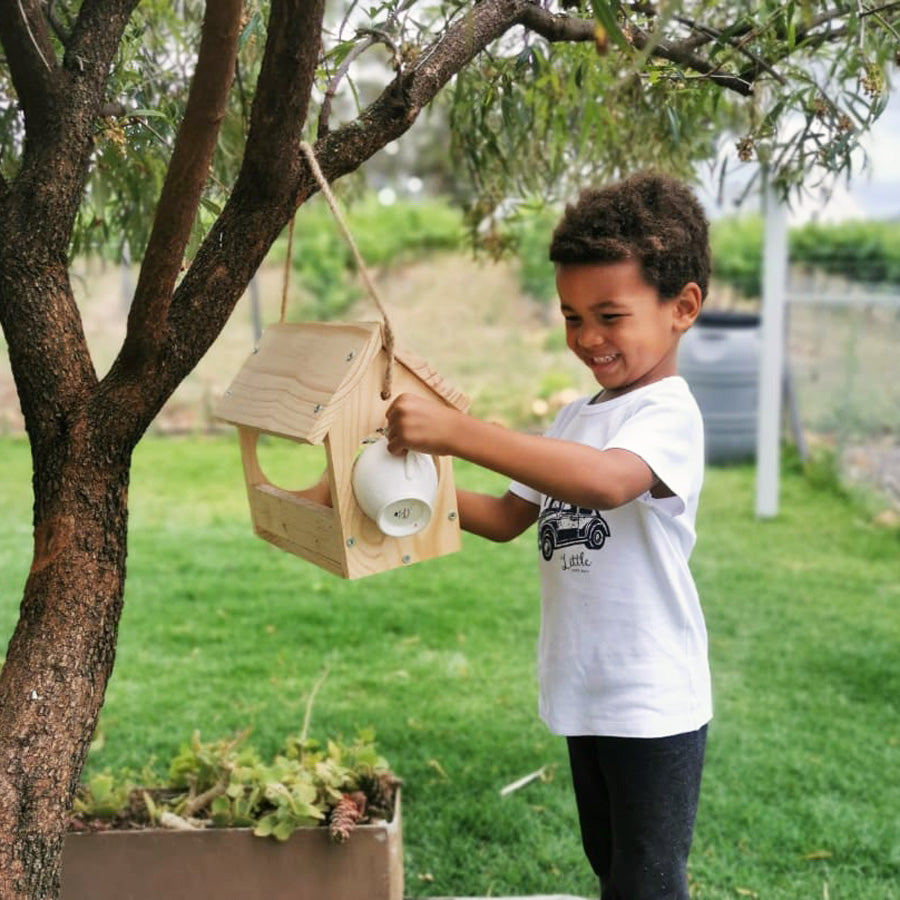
{"x":346,"y":813}
{"x":381,"y":789}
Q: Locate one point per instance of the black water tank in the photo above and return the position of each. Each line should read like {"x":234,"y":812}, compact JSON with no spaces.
{"x":719,"y":359}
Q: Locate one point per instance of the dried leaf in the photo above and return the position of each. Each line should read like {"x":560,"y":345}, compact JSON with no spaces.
{"x":439,"y":769}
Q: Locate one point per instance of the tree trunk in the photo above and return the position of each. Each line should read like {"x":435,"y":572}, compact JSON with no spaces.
{"x":61,"y":655}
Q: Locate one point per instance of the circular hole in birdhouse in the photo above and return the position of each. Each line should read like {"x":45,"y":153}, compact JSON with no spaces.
{"x":299,"y":469}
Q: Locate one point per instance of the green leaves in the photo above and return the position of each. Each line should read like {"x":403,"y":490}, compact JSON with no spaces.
{"x":322,"y":262}
{"x":103,"y":796}
{"x":225,"y":784}
{"x":294,"y":800}
{"x":861,"y":251}
{"x":539,"y":112}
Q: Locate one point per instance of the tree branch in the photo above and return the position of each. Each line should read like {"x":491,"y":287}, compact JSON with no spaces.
{"x":60,"y":127}
{"x":91,"y":46}
{"x":272,"y":155}
{"x":684,"y":56}
{"x":555,"y":27}
{"x":186,"y":176}
{"x":260,"y":205}
{"x":832,"y":14}
{"x":811,"y":35}
{"x":759,"y":64}
{"x":274,"y":180}
{"x":29,"y":53}
{"x":47,"y":347}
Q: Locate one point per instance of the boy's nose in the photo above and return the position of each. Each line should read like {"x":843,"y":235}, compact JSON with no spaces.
{"x":590,"y":338}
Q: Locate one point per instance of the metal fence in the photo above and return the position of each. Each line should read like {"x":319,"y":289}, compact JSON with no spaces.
{"x":843,"y":353}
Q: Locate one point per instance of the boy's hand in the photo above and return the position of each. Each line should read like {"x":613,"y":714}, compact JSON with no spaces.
{"x":414,"y":423}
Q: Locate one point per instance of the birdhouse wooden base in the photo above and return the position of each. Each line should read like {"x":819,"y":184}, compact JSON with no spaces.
{"x":320,"y":383}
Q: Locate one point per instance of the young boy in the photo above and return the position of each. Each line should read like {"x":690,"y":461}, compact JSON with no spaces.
{"x":613,"y":486}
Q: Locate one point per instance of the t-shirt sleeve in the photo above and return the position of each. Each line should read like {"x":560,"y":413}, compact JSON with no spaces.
{"x":525,"y":492}
{"x":667,"y":433}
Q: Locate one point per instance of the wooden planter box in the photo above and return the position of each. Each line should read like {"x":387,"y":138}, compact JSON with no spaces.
{"x":232,"y":864}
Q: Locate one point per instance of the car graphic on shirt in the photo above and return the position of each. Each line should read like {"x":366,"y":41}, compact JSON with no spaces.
{"x":564,"y":524}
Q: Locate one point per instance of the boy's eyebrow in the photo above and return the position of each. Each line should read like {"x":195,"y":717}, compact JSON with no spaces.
{"x":600,"y":304}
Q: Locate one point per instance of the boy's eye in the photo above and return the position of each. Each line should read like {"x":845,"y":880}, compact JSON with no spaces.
{"x":609,"y":317}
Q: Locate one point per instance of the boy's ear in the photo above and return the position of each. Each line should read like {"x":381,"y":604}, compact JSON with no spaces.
{"x":687,"y":307}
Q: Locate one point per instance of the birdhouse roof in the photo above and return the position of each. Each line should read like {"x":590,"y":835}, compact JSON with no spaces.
{"x":296,"y":381}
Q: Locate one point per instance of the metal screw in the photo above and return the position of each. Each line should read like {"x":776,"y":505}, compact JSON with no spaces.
{"x":318,"y":408}
{"x":350,"y":355}
{"x":256,"y":349}
{"x":351,"y":542}
{"x":228,"y":393}
{"x":407,"y":560}
{"x":452,"y":517}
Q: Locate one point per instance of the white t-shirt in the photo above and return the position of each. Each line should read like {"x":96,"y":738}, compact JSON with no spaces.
{"x":623,"y":647}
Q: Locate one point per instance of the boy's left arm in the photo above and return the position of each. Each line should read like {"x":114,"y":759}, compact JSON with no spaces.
{"x":565,"y":470}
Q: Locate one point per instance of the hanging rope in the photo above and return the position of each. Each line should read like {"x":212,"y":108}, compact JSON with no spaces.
{"x":363,"y":271}
{"x":288,"y":262}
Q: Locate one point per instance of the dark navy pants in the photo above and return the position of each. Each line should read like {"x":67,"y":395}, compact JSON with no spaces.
{"x":637,"y":801}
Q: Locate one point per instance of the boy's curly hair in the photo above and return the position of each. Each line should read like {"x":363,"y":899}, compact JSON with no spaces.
{"x":651,"y":218}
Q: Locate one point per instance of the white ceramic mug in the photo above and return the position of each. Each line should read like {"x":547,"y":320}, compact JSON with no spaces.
{"x":397,"y":492}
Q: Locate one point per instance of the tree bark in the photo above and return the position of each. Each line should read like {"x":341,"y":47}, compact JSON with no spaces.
{"x":61,"y":653}
{"x":60,"y":657}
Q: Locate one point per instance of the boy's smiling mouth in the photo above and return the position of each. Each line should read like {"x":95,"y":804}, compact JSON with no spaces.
{"x":601,"y":360}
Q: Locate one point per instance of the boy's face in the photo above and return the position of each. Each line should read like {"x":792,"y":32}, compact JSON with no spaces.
{"x":617,"y":325}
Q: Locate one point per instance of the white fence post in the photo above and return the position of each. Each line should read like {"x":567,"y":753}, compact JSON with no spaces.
{"x":771,"y":362}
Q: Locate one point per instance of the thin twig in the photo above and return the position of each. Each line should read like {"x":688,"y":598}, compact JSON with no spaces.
{"x":522,"y":782}
{"x":325,"y":111}
{"x":373,"y":36}
{"x":31,"y":35}
{"x":201,"y":801}
{"x":738,"y":45}
{"x":307,"y":715}
{"x":346,"y":19}
{"x":887,"y":25}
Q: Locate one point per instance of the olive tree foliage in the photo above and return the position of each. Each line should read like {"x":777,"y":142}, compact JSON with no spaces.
{"x":794,"y":85}
{"x":177,"y":129}
{"x":560,"y":98}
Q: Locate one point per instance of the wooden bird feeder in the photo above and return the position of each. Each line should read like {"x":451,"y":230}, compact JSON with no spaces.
{"x":320,"y":383}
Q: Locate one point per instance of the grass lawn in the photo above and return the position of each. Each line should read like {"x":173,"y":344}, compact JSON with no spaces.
{"x":222,"y":631}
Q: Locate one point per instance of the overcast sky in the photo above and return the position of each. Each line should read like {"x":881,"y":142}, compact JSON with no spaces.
{"x":873,"y":193}
{"x":877,"y":194}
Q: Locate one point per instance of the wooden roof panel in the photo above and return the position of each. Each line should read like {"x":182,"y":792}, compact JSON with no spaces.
{"x":295,"y":382}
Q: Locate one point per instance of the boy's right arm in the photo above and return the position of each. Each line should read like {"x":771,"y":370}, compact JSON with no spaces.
{"x":495,"y":518}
